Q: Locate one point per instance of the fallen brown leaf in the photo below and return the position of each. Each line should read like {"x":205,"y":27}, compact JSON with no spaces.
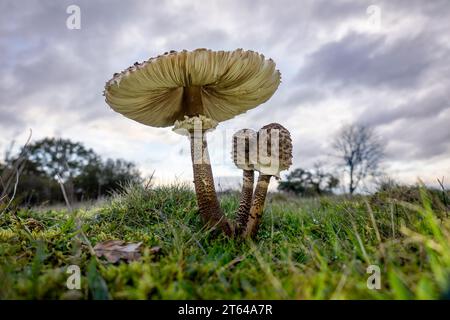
{"x":155,"y":250}
{"x":114,"y":250}
{"x":34,"y":225}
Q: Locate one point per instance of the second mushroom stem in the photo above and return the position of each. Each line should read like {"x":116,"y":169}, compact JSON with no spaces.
{"x":248,"y":179}
{"x":204,"y":186}
{"x":256,"y":210}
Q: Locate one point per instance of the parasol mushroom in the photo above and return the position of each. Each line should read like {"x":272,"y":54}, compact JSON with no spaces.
{"x":194,"y":90}
{"x":244,"y":153}
{"x":274,"y":156}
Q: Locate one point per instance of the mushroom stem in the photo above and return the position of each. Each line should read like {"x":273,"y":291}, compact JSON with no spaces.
{"x":207,"y":200}
{"x":242,"y":216}
{"x":192,"y":99}
{"x":256,"y":211}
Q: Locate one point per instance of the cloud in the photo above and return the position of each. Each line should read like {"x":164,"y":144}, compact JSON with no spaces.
{"x":368,"y":61}
{"x":419,"y":140}
{"x":426,"y":106}
{"x":335,"y":70}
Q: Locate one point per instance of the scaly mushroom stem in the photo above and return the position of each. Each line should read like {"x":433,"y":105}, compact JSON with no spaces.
{"x":256,"y":211}
{"x":248,"y":179}
{"x":244,"y":154}
{"x":207,"y":200}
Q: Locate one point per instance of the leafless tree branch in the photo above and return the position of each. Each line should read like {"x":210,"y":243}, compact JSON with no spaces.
{"x":12,"y":176}
{"x":360,"y":153}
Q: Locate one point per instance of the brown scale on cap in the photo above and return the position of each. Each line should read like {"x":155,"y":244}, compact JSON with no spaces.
{"x":279,"y":151}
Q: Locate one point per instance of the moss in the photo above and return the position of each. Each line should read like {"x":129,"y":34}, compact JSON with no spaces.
{"x":305,"y":249}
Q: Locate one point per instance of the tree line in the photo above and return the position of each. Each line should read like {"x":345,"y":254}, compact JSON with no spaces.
{"x":44,"y":167}
{"x":47,"y":166}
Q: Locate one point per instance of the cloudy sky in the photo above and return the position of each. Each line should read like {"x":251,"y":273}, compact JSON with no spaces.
{"x":382,"y":63}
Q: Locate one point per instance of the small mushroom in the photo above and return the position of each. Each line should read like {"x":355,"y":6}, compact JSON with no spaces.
{"x":194,"y":90}
{"x":244,"y":153}
{"x":274,"y":156}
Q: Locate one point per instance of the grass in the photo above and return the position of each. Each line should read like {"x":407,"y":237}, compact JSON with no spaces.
{"x":317,"y":248}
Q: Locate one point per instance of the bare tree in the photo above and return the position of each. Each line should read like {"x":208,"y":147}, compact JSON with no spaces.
{"x":360,"y":152}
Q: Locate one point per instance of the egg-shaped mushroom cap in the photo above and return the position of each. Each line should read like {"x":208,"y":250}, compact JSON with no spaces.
{"x":228,"y":82}
{"x":274,"y":150}
{"x":245,"y":149}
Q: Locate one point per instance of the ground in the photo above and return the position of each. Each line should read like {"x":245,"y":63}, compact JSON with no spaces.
{"x":318,"y":248}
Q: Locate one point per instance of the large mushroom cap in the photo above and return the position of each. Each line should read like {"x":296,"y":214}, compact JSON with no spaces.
{"x":229,"y":83}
